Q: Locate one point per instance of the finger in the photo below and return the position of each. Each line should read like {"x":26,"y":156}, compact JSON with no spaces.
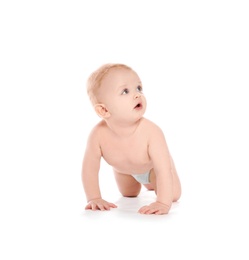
{"x":143,"y":210}
{"x":112,"y":205}
{"x":94,"y":206}
{"x":107,"y":207}
{"x":101,"y":207}
{"x":88,"y":206}
{"x":150,"y":211}
{"x":162,"y":211}
{"x":140,"y":210}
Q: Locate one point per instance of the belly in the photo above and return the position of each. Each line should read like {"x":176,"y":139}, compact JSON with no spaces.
{"x":129,"y":164}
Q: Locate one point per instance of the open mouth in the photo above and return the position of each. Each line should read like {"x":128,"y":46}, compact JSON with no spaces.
{"x":138,"y":106}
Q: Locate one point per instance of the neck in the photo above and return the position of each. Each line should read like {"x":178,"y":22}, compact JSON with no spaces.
{"x":123,"y":129}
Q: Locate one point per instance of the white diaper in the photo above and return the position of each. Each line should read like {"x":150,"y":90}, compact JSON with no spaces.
{"x":143,"y":178}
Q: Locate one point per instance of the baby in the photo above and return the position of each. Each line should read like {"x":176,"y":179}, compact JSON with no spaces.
{"x":134,"y":146}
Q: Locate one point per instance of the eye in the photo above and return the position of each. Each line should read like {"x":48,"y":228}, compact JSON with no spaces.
{"x":125,"y":91}
{"x":139,"y":88}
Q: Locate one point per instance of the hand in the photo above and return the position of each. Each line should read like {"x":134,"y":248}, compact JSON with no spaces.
{"x":156,"y":208}
{"x":99,"y":204}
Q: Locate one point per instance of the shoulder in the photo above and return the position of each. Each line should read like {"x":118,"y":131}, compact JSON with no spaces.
{"x":150,"y":127}
{"x":154,"y":133}
{"x":99,"y":127}
{"x":97,"y":130}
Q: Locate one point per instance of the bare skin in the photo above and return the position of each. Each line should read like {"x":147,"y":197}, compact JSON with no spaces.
{"x":131,"y":144}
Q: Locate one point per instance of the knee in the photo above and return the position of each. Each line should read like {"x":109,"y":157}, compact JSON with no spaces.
{"x":149,"y":186}
{"x":132,"y":191}
{"x":130,"y":194}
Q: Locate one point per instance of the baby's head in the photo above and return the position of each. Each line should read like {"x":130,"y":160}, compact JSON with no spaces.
{"x":95,"y":79}
{"x":116,"y":92}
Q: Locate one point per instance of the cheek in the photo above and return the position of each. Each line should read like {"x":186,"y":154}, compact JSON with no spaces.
{"x":119,"y":108}
{"x":144,"y":103}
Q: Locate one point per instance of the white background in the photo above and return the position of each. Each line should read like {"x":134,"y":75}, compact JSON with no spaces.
{"x":193,"y":59}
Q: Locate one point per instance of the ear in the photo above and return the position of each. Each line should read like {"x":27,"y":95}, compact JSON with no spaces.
{"x":102,"y":111}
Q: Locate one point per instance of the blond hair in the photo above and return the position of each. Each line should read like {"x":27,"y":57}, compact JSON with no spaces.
{"x":95,"y":79}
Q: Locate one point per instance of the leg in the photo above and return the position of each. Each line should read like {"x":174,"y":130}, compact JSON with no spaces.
{"x":176,"y":182}
{"x":127,"y":185}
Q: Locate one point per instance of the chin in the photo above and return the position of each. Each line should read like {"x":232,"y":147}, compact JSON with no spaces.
{"x":140,"y":116}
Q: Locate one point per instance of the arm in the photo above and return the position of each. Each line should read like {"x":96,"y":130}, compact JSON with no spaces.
{"x":159,"y":154}
{"x":90,"y":174}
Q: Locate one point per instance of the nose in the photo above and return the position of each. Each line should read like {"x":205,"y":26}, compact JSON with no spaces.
{"x":137,"y":95}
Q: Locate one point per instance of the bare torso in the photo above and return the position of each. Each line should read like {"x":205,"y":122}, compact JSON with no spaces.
{"x":128,"y":155}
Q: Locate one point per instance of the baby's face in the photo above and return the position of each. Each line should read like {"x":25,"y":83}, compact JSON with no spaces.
{"x":122,"y":93}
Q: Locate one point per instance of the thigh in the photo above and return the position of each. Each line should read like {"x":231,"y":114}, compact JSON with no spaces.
{"x":127,"y":185}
